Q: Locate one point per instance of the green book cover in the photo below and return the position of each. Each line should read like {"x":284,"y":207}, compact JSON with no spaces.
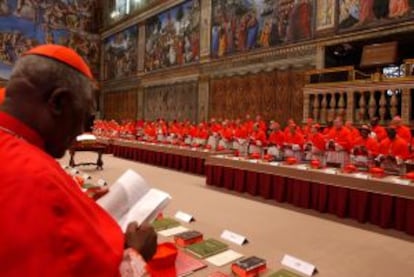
{"x":207,"y":248}
{"x":164,"y":223}
{"x":284,"y":273}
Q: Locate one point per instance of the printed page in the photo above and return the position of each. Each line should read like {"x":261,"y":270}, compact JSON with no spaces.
{"x":147,"y":208}
{"x":123,"y":194}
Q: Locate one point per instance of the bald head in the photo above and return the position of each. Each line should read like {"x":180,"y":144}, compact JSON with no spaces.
{"x":52,"y":98}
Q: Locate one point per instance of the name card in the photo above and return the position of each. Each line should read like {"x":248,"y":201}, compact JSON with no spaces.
{"x":233,"y":237}
{"x":399,"y":181}
{"x":330,"y":170}
{"x":101,"y":182}
{"x":361,"y":176}
{"x":302,"y":167}
{"x":275,"y":163}
{"x":86,"y":177}
{"x":298,"y":265}
{"x":184,"y":217}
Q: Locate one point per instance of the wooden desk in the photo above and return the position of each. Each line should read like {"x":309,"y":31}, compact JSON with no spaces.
{"x":87,"y":147}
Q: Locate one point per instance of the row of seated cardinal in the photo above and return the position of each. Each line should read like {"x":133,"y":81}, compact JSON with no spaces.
{"x":336,"y":144}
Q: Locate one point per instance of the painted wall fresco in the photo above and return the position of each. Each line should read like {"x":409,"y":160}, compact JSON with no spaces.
{"x":26,"y":23}
{"x":121,"y":54}
{"x":365,"y":13}
{"x":243,"y":25}
{"x":173,"y":37}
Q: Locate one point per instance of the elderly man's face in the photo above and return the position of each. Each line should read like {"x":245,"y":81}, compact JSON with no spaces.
{"x":71,"y":122}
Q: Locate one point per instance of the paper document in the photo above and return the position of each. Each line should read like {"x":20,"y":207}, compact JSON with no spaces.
{"x":131,"y":199}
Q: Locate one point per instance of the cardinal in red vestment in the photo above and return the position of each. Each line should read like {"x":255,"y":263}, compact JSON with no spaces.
{"x":49,"y":227}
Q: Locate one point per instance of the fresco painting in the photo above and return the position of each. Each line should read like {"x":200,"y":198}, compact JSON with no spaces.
{"x":243,"y":25}
{"x":27,"y":23}
{"x":121,"y":54}
{"x":173,"y":37}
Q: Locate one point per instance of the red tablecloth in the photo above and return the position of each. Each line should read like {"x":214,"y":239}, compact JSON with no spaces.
{"x":173,"y":161}
{"x":383,"y":210}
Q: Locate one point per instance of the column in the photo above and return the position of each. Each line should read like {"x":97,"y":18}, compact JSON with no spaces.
{"x":315,"y":108}
{"x":203,"y":98}
{"x":324,"y":104}
{"x":394,"y":104}
{"x":382,"y":106}
{"x":306,"y":105}
{"x":205,"y":30}
{"x":141,"y":46}
{"x":320,"y":57}
{"x":405,"y":105}
{"x":140,"y":104}
{"x":372,"y":105}
{"x":350,"y":106}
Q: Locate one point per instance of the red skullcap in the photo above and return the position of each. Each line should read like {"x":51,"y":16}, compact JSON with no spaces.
{"x":62,"y":54}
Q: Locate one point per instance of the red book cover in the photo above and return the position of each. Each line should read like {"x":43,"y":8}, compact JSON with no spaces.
{"x":249,"y":267}
{"x":187,"y":238}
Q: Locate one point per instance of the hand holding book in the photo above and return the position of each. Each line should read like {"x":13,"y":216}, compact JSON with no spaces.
{"x":143,"y":239}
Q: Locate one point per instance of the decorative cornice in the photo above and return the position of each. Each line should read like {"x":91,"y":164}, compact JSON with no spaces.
{"x":171,"y":75}
{"x":120,"y":84}
{"x":139,"y":17}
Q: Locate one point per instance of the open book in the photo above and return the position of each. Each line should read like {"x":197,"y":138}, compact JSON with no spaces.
{"x":131,"y":199}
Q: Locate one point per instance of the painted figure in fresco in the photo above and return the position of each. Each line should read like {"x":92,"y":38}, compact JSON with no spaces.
{"x":324,"y":12}
{"x":252,"y":29}
{"x":4,"y":8}
{"x":366,"y":13}
{"x":275,"y":37}
{"x":349,"y":14}
{"x":299,"y":21}
{"x":398,"y":8}
{"x":241,"y":33}
{"x":195,"y":45}
{"x":381,"y":8}
{"x":266,"y":31}
{"x":222,"y":43}
{"x":215,"y":39}
{"x":26,"y":9}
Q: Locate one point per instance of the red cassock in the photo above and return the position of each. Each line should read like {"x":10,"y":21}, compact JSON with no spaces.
{"x":259,"y":135}
{"x":227,"y":133}
{"x":249,"y":125}
{"x":202,"y":133}
{"x":317,"y":140}
{"x":397,"y":147}
{"x":307,"y":131}
{"x":150,"y":131}
{"x":326,"y":131}
{"x":277,"y":138}
{"x":49,"y":227}
{"x":380,"y":132}
{"x":287,"y":130}
{"x":341,"y":136}
{"x":241,"y":132}
{"x":370,"y":144}
{"x":262,"y":125}
{"x":404,"y":133}
{"x":216,"y":127}
{"x":296,"y":138}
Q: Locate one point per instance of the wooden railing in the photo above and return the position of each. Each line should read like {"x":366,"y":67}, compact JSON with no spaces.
{"x":359,"y":100}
